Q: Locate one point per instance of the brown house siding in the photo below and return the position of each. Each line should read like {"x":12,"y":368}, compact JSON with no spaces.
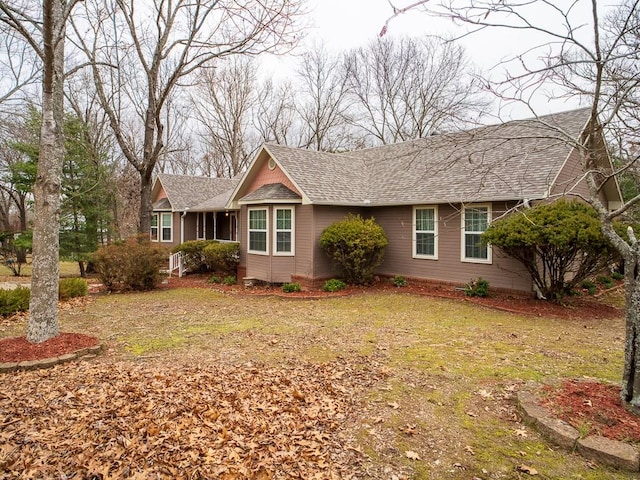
{"x":503,"y":273}
{"x":571,"y":177}
{"x":311,"y":266}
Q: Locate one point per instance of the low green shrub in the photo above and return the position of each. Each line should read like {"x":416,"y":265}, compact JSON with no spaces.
{"x":222,"y":257}
{"x":214,"y":279}
{"x":617,"y":276}
{"x":399,"y":281}
{"x":334,"y":285}
{"x":291,"y":287}
{"x":193,"y":254}
{"x":229,"y":280}
{"x":130,"y":265}
{"x":605,"y":280}
{"x":590,"y":286}
{"x":72,"y":287}
{"x":13,"y":301}
{"x":478,"y":287}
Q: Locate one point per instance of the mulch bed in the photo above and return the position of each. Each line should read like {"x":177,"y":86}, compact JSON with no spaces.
{"x":17,"y":349}
{"x":593,"y":408}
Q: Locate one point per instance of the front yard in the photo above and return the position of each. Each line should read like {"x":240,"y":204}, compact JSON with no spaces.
{"x":196,"y":383}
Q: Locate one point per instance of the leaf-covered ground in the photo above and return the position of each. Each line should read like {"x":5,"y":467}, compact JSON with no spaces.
{"x":121,"y":420}
{"x":389,"y":385}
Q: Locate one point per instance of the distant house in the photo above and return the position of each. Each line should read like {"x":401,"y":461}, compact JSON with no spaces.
{"x":433,"y":196}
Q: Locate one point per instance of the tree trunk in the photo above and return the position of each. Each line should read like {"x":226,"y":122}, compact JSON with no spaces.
{"x":631,"y":375}
{"x":43,"y":306}
{"x":144,"y":225}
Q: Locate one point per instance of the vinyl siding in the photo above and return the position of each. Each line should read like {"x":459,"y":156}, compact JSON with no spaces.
{"x":570,"y":179}
{"x":305,"y":241}
{"x":503,"y":272}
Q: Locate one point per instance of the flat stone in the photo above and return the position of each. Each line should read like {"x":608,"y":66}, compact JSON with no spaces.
{"x":66,"y":357}
{"x":610,"y":452}
{"x":94,"y":350}
{"x":48,"y":362}
{"x":559,"y":432}
{"x":29,"y":365}
{"x":8,"y":366}
{"x":532,"y":412}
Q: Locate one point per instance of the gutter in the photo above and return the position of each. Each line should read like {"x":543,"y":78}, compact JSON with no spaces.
{"x":184,"y":214}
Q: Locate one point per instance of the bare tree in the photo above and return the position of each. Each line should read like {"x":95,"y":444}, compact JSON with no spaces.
{"x":275,"y":113}
{"x":19,"y":66}
{"x":44,"y":31}
{"x":322,"y":108}
{"x":223,"y":105}
{"x":140,"y":55}
{"x":407,"y":88}
{"x":596,"y":60}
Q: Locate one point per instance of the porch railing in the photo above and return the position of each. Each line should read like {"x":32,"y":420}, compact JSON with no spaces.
{"x":176,"y":262}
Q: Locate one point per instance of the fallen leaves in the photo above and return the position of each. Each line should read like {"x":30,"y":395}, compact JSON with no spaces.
{"x":411,"y":455}
{"x":117,"y":420}
{"x":527,"y":469}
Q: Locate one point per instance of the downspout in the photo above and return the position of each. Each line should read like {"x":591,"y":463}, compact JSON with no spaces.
{"x":184,"y":214}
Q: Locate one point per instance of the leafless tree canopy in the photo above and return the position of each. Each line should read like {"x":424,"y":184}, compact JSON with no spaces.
{"x":141,"y":54}
{"x":224,"y":103}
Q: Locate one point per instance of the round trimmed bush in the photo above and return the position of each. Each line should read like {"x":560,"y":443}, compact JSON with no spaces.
{"x":356,"y":245}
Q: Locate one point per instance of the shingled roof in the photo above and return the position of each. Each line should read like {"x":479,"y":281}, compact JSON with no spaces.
{"x":514,"y":160}
{"x":196,"y":193}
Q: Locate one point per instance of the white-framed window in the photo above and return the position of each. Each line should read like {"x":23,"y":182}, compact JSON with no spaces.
{"x":283,"y":233}
{"x":162,"y":227}
{"x":166,"y":227}
{"x":258,"y":228}
{"x":475,"y":220}
{"x":154,"y":227}
{"x":425,"y":232}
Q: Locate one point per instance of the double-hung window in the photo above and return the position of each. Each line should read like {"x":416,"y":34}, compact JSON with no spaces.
{"x":475,"y":220}
{"x":154,"y":227}
{"x":283,"y":231}
{"x":162,"y":227}
{"x":425,"y":234}
{"x":258,"y":224}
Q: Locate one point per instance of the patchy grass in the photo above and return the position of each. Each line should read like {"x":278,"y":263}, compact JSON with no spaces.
{"x":447,"y":371}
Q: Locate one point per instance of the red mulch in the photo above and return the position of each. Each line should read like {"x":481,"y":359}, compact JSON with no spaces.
{"x":593,"y":406}
{"x":579,"y":307}
{"x":17,"y":349}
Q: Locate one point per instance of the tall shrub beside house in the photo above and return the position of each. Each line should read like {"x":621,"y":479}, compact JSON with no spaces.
{"x":222,"y":258}
{"x":130,"y":265}
{"x":356,"y":245}
{"x":560,"y":244}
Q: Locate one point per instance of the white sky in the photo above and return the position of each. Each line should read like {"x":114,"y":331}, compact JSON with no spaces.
{"x":345,"y":24}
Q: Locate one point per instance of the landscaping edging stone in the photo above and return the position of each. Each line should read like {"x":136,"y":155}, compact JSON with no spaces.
{"x":50,"y":362}
{"x":604,"y":450}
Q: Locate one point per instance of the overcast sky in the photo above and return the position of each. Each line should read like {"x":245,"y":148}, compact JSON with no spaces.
{"x":345,"y":24}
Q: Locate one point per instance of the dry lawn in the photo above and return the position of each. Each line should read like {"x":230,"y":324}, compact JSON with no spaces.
{"x":386,"y":385}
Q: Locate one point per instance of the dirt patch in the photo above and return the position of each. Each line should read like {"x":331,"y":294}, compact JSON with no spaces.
{"x":593,"y":408}
{"x":17,"y":349}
